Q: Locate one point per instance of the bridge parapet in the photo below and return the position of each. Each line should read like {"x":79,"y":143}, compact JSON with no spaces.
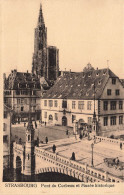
{"x":75,"y":169}
{"x":109,"y":140}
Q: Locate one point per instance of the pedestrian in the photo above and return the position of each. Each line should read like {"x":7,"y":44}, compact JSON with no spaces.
{"x":46,"y":140}
{"x":73,"y":156}
{"x":54,"y":148}
{"x":120,"y":145}
{"x":67,"y":132}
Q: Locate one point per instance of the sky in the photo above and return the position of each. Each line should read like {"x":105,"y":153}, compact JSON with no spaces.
{"x":84,"y":31}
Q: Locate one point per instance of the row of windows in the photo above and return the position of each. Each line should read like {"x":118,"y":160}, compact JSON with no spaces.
{"x":24,"y":100}
{"x":117,"y":92}
{"x":33,"y":108}
{"x":113,"y":105}
{"x":51,"y":103}
{"x":64,"y":104}
{"x":7,"y":92}
{"x":51,"y":117}
{"x":113,"y":120}
{"x":25,"y":92}
{"x":73,"y":117}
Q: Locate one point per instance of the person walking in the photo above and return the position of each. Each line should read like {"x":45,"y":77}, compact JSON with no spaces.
{"x":121,"y":145}
{"x":54,"y":148}
{"x":46,"y":140}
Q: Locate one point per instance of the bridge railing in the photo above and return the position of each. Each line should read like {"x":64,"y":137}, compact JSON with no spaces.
{"x":109,"y":140}
{"x":84,"y":168}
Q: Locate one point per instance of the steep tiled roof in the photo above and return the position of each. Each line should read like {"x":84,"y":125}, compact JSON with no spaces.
{"x":80,"y":85}
{"x":22,"y":79}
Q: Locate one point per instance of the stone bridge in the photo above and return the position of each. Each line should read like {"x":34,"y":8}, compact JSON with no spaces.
{"x":46,"y":161}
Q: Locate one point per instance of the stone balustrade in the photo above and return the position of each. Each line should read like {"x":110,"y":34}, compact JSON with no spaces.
{"x":78,"y":170}
{"x":109,"y":140}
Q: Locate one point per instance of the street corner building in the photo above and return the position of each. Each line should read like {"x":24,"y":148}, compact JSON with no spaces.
{"x":19,"y":89}
{"x":78,"y":96}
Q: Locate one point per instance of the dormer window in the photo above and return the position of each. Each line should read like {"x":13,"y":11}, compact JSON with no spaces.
{"x":113,"y":81}
{"x":89,"y":75}
{"x":99,"y":82}
{"x":97,"y":74}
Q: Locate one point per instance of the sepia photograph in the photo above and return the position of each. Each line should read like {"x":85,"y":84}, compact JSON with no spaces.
{"x":63,"y":92}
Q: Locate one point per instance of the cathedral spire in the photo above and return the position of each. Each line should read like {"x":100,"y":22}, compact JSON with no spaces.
{"x":40,"y":19}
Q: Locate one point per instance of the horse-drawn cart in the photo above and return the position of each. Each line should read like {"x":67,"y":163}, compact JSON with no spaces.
{"x":114,"y":162}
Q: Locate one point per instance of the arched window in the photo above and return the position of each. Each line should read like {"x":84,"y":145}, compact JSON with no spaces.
{"x":28,"y":156}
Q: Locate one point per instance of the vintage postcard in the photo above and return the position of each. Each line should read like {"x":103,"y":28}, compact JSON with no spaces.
{"x":62,"y":66}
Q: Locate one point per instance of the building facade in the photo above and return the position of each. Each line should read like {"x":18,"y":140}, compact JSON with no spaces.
{"x":76,"y":96}
{"x":45,"y":59}
{"x":6,"y":137}
{"x":20,"y":89}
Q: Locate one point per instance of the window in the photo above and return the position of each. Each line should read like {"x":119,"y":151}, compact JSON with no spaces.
{"x":18,"y":101}
{"x":45,"y":102}
{"x":22,"y":100}
{"x":73,"y":118}
{"x":89,"y":120}
{"x":108,"y":91}
{"x":80,"y":104}
{"x":5,"y":114}
{"x":113,"y":105}
{"x":105,"y":121}
{"x":17,"y":92}
{"x":120,"y":105}
{"x":117,"y":92}
{"x":113,"y":120}
{"x":73,"y":104}
{"x":56,"y":116}
{"x":113,"y":81}
{"x":89,"y":104}
{"x":45,"y":114}
{"x":34,"y":92}
{"x":4,"y":126}
{"x":22,"y":108}
{"x":55,"y":103}
{"x":105,"y":105}
{"x":50,"y":103}
{"x":5,"y":101}
{"x":120,"y":120}
{"x":64,"y":104}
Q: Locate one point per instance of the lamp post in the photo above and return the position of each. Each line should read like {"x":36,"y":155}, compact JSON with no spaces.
{"x":92,"y":145}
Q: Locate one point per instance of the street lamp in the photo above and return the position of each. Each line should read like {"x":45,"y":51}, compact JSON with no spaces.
{"x":92,"y":145}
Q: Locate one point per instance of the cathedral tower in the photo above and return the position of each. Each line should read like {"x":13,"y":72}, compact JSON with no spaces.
{"x":39,"y":64}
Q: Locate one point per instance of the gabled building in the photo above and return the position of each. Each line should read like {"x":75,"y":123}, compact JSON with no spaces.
{"x":19,"y":88}
{"x":76,"y":96}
